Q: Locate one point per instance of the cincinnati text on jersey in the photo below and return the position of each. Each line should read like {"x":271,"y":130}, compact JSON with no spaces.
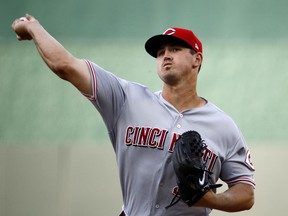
{"x":155,"y":138}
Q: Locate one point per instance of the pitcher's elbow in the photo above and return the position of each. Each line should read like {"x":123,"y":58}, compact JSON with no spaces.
{"x":62,"y":70}
{"x":249,"y":203}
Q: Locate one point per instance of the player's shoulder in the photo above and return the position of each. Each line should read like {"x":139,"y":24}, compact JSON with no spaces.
{"x":219,"y":114}
{"x":214,"y":108}
{"x":142,"y":91}
{"x":223,"y":123}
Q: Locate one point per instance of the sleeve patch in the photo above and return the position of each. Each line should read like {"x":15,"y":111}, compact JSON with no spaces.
{"x":248,"y":160}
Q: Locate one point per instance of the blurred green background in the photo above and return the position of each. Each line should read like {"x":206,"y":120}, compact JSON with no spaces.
{"x":244,"y":69}
{"x":53,"y":143}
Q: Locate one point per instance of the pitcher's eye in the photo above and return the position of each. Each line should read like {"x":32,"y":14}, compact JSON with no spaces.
{"x":176,"y":49}
{"x":160,"y":52}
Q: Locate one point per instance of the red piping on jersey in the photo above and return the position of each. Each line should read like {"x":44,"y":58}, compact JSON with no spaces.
{"x":239,"y":180}
{"x":94,"y":82}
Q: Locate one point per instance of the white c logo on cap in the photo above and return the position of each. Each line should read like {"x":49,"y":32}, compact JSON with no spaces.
{"x":169,"y":31}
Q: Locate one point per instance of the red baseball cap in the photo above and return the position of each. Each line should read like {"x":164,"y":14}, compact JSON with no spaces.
{"x":178,"y":35}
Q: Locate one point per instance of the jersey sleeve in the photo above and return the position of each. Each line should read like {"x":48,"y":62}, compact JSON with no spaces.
{"x":238,"y":167}
{"x":108,"y":93}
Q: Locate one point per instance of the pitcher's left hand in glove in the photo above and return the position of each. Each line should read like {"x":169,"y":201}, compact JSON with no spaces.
{"x":193,"y":180}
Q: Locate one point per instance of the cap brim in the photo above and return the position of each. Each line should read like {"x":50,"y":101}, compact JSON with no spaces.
{"x":153,"y":44}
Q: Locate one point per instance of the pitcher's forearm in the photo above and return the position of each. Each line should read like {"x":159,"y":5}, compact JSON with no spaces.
{"x":237,"y":198}
{"x":52,"y":52}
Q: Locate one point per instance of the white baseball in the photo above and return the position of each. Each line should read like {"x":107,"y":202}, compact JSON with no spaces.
{"x":23,"y":19}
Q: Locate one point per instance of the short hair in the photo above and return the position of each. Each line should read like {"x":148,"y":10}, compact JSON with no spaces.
{"x":192,"y":51}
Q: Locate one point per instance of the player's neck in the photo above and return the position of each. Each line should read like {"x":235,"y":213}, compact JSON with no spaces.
{"x":183,"y":99}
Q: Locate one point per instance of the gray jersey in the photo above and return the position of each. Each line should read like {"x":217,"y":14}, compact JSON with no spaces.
{"x":143,"y":128}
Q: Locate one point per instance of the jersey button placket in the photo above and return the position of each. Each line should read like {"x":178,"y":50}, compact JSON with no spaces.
{"x":179,"y":125}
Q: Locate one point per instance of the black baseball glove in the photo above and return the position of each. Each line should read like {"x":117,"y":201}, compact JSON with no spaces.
{"x":193,"y":180}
